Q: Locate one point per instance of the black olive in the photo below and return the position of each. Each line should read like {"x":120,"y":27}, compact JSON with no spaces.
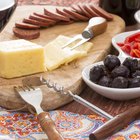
{"x":111,"y":61}
{"x":119,"y":82}
{"x":138,"y":68}
{"x":136,"y":74}
{"x":96,"y":73}
{"x":120,"y":71}
{"x":131,"y":64}
{"x":134,"y":82}
{"x":105,"y":81}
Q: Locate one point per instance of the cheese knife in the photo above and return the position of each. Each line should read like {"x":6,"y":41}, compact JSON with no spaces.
{"x":96,"y":26}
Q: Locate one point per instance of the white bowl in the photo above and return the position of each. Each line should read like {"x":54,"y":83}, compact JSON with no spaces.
{"x":137,"y":16}
{"x":6,"y":9}
{"x":5,"y":4}
{"x":120,"y":38}
{"x":112,"y":93}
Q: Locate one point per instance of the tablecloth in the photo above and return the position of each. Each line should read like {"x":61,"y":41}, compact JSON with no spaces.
{"x":24,"y":126}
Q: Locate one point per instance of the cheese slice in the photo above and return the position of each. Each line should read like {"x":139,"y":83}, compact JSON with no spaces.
{"x":55,"y":56}
{"x":20,"y":57}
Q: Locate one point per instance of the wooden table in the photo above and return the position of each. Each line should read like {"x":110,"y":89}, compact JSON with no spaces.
{"x":111,"y":106}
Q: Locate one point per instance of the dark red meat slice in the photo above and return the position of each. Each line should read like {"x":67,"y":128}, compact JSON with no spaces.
{"x":37,"y":18}
{"x":26,"y":34}
{"x":101,"y":12}
{"x":56,"y":15}
{"x":26,"y":26}
{"x":76,"y":15}
{"x":63,"y":13}
{"x":34,"y":22}
{"x":84,"y":11}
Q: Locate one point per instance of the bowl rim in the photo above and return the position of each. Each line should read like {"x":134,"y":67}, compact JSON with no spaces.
{"x":137,"y":16}
{"x":8,"y":6}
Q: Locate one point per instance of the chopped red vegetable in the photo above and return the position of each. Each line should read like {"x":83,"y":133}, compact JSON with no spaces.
{"x":131,"y":45}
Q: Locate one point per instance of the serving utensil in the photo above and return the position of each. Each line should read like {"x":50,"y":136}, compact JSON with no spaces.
{"x":38,"y":81}
{"x":33,"y":96}
{"x":96,"y":26}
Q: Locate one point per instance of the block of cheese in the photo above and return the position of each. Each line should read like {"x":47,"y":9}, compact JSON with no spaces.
{"x":20,"y":57}
{"x":55,"y":56}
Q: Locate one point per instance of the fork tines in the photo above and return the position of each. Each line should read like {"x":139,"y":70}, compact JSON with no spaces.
{"x":24,"y":88}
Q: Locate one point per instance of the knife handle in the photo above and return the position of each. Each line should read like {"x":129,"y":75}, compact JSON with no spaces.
{"x":115,"y":124}
{"x":96,"y":26}
{"x":48,"y":126}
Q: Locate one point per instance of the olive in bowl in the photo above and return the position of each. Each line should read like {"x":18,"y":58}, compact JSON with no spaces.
{"x":118,"y":87}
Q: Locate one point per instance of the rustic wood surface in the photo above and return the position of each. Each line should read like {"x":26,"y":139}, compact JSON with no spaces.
{"x":111,"y":106}
{"x":69,"y":76}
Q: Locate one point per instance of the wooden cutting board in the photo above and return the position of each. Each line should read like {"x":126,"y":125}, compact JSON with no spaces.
{"x":68,"y":76}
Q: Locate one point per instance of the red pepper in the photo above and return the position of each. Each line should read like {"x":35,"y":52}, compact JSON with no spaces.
{"x":137,"y":53}
{"x":131,"y":38}
{"x":126,"y":48}
{"x":120,"y":44}
{"x":135,"y":45}
{"x":137,"y":39}
{"x":132,"y":53}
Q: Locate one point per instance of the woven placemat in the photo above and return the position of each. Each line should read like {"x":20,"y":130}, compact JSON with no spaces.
{"x":54,"y":2}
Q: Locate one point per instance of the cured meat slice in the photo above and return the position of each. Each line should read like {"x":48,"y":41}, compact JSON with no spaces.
{"x":26,"y":26}
{"x":56,"y":15}
{"x":26,"y":34}
{"x":59,"y":11}
{"x":34,"y":17}
{"x":101,"y":12}
{"x":45,"y":16}
{"x":90,"y":11}
{"x":34,"y":22}
{"x":84,"y":11}
{"x":65,"y":22}
{"x":77,"y":9}
{"x":76,"y":15}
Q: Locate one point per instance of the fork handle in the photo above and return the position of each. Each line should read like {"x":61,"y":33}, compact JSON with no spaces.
{"x":96,"y":26}
{"x":48,"y":126}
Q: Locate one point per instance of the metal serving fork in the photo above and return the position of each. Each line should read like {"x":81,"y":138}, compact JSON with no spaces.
{"x":33,"y":96}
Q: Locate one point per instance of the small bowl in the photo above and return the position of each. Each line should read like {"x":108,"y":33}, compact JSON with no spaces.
{"x":120,"y":38}
{"x":137,"y":16}
{"x":112,"y":93}
{"x":6,"y":9}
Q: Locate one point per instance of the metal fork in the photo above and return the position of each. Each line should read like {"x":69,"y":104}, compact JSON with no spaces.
{"x":33,"y":96}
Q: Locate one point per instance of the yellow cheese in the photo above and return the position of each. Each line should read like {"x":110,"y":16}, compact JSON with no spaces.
{"x":55,"y":56}
{"x":20,"y":57}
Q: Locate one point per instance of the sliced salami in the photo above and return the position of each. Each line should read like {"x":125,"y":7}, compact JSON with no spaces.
{"x":65,"y":22}
{"x":84,"y":11}
{"x":101,"y":12}
{"x":90,"y":11}
{"x":26,"y":34}
{"x":26,"y":26}
{"x":34,"y":22}
{"x":77,"y":9}
{"x":63,"y":13}
{"x":76,"y":15}
{"x":45,"y":16}
{"x":55,"y":15}
{"x":37,"y":18}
